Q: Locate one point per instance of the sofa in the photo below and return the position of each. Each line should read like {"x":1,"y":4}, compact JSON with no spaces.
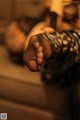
{"x":23,"y":95}
{"x":12,"y":9}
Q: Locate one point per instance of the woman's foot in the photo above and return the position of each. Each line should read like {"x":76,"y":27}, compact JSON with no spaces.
{"x":38,"y":50}
{"x":14,"y":38}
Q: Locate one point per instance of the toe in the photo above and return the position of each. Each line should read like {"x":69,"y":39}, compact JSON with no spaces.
{"x":39,"y":60}
{"x":36,"y":45}
{"x":32,"y":65}
{"x":34,"y":41}
{"x":40,"y":49}
{"x":40,"y":54}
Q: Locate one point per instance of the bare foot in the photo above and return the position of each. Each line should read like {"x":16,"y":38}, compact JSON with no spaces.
{"x":38,"y":50}
{"x":14,"y":38}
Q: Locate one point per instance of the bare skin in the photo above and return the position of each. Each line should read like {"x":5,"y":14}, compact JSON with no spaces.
{"x":39,"y":49}
{"x":36,"y":53}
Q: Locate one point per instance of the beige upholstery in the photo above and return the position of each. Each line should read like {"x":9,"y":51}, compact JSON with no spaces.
{"x":11,"y":9}
{"x":24,"y":95}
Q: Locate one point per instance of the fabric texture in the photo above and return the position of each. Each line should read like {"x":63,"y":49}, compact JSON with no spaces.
{"x":24,"y":92}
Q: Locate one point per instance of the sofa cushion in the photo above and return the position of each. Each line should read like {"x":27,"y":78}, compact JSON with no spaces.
{"x":10,"y":9}
{"x":19,"y":112}
{"x":6,"y":9}
{"x":19,"y":85}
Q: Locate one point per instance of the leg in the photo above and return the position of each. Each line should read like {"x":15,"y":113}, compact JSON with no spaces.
{"x":36,"y":45}
{"x":44,"y":46}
